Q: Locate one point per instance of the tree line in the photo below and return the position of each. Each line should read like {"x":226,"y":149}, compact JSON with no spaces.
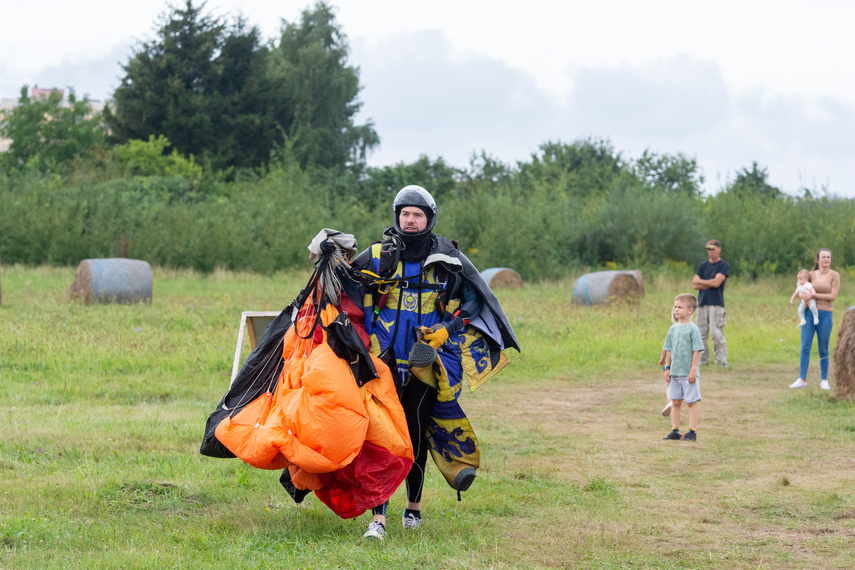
{"x":571,"y":208}
{"x":215,"y":92}
{"x":220,"y":150}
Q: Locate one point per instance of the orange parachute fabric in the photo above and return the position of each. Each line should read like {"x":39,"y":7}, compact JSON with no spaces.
{"x":347,"y":443}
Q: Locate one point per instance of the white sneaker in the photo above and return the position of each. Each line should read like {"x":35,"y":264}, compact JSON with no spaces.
{"x":411,"y":522}
{"x":798,"y":384}
{"x":816,"y":321}
{"x":666,"y":411}
{"x":824,"y":385}
{"x":803,"y":323}
{"x":375,"y":530}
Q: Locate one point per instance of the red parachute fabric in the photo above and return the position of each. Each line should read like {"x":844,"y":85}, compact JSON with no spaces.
{"x":347,"y":443}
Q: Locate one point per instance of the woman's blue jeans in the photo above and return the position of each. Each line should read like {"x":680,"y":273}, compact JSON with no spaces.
{"x":823,"y":335}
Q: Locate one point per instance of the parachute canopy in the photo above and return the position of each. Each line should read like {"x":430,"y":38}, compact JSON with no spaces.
{"x":310,"y":399}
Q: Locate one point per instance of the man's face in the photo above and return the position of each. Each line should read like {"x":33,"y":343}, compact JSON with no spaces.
{"x":713,"y":251}
{"x":412,"y":219}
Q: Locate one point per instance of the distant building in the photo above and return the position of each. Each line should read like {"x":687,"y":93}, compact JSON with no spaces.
{"x":37,"y":92}
{"x":6,"y":105}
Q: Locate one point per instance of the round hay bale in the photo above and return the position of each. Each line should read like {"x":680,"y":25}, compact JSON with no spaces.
{"x":502,"y":278}
{"x":639,"y":278}
{"x":844,"y":358}
{"x":115,"y":280}
{"x":608,"y":286}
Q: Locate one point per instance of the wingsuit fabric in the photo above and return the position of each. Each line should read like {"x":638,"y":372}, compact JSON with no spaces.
{"x":474,"y":352}
{"x":348,"y":443}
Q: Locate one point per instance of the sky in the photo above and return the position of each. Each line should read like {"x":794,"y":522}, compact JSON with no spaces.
{"x":727,"y":83}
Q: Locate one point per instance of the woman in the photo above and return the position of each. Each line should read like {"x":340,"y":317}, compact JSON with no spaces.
{"x":826,"y":284}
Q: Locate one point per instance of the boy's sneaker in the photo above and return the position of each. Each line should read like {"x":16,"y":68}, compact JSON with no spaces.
{"x":675,"y":434}
{"x":691,"y":435}
{"x":799,"y":383}
{"x":411,"y":521}
{"x":816,"y":320}
{"x":375,"y":530}
{"x":666,"y":411}
{"x":803,"y":323}
{"x":824,"y":385}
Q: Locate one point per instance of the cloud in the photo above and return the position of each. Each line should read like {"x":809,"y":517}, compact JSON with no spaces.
{"x":423,"y":100}
{"x":426,"y":99}
{"x":813,"y":127}
{"x":97,"y":77}
{"x":671,"y":98}
{"x":804,"y":142}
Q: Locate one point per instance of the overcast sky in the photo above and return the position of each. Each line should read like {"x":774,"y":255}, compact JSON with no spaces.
{"x":728,"y":82}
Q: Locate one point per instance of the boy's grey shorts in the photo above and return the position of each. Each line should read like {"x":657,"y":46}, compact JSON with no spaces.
{"x":680,"y":389}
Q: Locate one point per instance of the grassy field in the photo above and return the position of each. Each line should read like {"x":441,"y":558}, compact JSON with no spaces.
{"x":104,"y":408}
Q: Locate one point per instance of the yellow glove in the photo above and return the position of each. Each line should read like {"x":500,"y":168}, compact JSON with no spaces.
{"x":436,"y":336}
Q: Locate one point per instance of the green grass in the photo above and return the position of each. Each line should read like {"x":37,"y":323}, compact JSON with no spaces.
{"x":104,"y":408}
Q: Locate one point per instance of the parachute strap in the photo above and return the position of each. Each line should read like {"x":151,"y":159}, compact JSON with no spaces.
{"x":419,"y":285}
{"x":313,"y":291}
{"x":386,"y":286}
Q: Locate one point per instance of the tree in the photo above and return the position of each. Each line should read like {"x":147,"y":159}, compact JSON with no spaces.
{"x":201,"y":84}
{"x":150,"y":158}
{"x":247,"y":132}
{"x":215,"y":91}
{"x":586,"y":167}
{"x":486,"y":168}
{"x":318,"y":92}
{"x":670,"y":174}
{"x":379,"y":185}
{"x":49,"y":130}
{"x":752,"y":183}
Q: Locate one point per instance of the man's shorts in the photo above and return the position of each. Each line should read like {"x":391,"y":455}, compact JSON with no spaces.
{"x":680,"y":389}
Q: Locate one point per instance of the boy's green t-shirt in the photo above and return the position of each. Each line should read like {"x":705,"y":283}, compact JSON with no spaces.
{"x":682,"y":342}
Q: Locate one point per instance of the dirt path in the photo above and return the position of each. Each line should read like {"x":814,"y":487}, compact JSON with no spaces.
{"x":770,"y":477}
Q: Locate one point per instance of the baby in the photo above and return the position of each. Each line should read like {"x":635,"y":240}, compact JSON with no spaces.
{"x":805,"y":286}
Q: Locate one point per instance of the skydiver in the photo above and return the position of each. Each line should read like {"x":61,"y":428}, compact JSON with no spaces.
{"x":433,"y":318}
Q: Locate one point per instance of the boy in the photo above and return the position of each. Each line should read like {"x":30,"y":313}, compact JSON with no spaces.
{"x":683,"y":347}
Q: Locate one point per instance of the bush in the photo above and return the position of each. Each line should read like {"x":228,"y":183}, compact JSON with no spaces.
{"x":555,"y":217}
{"x":150,"y":158}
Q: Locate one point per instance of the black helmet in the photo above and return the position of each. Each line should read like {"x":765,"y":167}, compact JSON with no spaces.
{"x":420,"y":198}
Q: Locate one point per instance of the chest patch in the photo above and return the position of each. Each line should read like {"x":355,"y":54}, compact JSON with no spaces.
{"x":409,"y":301}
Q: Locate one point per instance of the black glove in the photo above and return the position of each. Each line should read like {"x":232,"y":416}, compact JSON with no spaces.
{"x":422,"y":355}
